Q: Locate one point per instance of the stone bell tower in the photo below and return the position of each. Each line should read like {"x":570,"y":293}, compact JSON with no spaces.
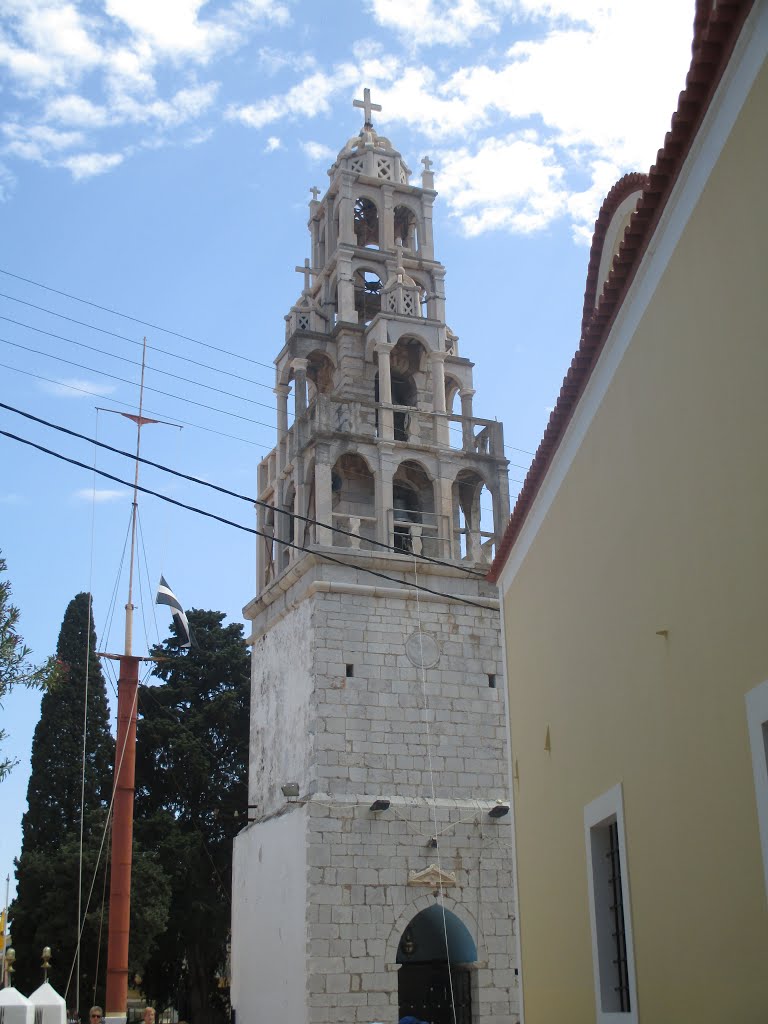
{"x":374,"y":879}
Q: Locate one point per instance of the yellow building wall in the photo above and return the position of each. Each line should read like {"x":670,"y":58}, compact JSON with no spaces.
{"x":661,"y":523}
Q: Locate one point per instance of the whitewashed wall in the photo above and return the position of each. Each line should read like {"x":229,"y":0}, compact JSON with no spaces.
{"x":282,"y":725}
{"x":269,"y":907}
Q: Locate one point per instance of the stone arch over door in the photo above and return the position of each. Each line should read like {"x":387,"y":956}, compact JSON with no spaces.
{"x":436,"y":978}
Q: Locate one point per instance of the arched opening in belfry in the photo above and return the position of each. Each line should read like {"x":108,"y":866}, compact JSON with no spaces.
{"x":434,"y":982}
{"x":414,"y":523}
{"x":366,"y":219}
{"x":286,"y":525}
{"x":367,"y":295}
{"x":472,"y":507}
{"x":268,"y":541}
{"x":406,"y":363}
{"x":319,"y":375}
{"x":406,"y":228}
{"x":353,"y":501}
{"x":320,"y":260}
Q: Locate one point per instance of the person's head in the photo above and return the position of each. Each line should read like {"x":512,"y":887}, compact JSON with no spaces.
{"x":149,"y":1015}
{"x":95,"y":1014}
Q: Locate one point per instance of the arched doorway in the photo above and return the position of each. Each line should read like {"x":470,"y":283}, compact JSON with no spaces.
{"x":435,"y":952}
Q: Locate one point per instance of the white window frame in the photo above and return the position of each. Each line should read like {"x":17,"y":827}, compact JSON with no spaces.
{"x":757,"y":722}
{"x":602,"y":811}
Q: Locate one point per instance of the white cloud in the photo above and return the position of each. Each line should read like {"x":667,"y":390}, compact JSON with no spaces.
{"x":317,"y":151}
{"x":273,"y":144}
{"x":86,"y":165}
{"x":7,"y":183}
{"x":309,"y":97}
{"x":52,"y":49}
{"x":428,"y":22}
{"x":186,"y":105}
{"x":271,"y":60}
{"x":76,"y":387}
{"x":174,"y":29}
{"x":12,"y":499}
{"x":99,"y":495}
{"x":515,"y":183}
{"x":38,"y":142}
{"x":72,"y":109}
{"x":53,"y":44}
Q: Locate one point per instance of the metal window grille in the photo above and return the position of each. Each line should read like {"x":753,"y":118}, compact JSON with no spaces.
{"x":619,"y":960}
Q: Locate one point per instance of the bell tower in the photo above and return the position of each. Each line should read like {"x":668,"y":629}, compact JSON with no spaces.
{"x":378,"y":770}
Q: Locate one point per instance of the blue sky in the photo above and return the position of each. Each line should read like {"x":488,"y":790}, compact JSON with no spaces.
{"x":156,"y":159}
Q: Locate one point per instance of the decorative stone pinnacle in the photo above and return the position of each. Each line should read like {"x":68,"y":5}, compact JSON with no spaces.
{"x":427,"y":163}
{"x":315,"y":193}
{"x":366,"y":106}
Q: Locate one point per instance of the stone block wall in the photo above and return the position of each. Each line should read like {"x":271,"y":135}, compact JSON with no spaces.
{"x":360,"y":902}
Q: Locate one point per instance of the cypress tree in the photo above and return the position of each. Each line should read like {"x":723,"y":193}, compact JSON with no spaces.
{"x":45,"y":909}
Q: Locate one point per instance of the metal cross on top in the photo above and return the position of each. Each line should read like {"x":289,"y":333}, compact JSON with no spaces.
{"x":427,"y":163}
{"x":366,"y":105}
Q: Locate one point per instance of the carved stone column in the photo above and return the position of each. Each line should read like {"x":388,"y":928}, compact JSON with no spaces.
{"x":386,"y":422}
{"x":282,"y":391}
{"x":299,"y":387}
{"x":466,"y":395}
{"x":323,"y":496}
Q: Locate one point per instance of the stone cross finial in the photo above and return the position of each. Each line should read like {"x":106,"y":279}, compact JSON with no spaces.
{"x":315,"y":192}
{"x":366,"y":105}
{"x":427,"y":163}
{"x":307,"y":271}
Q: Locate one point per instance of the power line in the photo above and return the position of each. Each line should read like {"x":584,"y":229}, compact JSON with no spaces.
{"x":174,"y":419}
{"x":166,"y":330}
{"x":157,"y":391}
{"x":132,"y":362}
{"x":224,"y":490}
{"x":131,"y":405}
{"x":123,"y":337}
{"x":238,"y":526}
{"x":136,"y":320}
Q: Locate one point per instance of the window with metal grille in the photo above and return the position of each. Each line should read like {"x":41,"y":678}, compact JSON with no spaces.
{"x":609,"y":910}
{"x":757,"y":721}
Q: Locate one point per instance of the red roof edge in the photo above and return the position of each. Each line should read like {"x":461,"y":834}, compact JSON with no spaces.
{"x":623,"y":188}
{"x":715,"y":31}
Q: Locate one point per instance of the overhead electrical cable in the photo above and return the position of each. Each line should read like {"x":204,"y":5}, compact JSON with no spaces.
{"x":133,"y":341}
{"x":131,"y":405}
{"x":176,"y":334}
{"x":135,"y":319}
{"x":132,"y":362}
{"x":239,"y":526}
{"x":157,"y":391}
{"x":224,"y":490}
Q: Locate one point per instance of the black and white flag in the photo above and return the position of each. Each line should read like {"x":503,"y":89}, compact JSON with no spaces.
{"x":166,"y":596}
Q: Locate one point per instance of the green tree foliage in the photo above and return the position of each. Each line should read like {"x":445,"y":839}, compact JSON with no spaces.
{"x":45,"y":909}
{"x":15,"y":668}
{"x":191,"y":789}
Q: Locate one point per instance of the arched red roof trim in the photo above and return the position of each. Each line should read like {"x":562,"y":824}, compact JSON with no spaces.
{"x":716,"y":29}
{"x":623,"y":188}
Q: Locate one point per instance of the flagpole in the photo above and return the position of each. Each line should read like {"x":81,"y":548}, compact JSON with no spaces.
{"x":125,"y":777}
{"x":125,"y":761}
{"x":134,"y":516}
